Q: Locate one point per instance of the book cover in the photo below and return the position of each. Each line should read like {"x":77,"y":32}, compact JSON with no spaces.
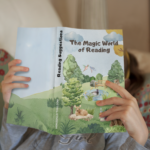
{"x":68,"y":69}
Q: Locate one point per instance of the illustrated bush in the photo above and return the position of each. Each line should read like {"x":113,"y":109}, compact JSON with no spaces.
{"x":72,"y":93}
{"x":66,"y":127}
{"x":11,"y":104}
{"x":115,"y":128}
{"x":92,"y":78}
{"x":90,"y":111}
{"x":92,"y":128}
{"x":86,"y":78}
{"x":116,"y":72}
{"x":52,"y":103}
{"x":99,"y":77}
{"x":19,"y":117}
{"x":90,"y":97}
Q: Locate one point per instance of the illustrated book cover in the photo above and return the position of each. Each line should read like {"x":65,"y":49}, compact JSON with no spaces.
{"x":68,"y":69}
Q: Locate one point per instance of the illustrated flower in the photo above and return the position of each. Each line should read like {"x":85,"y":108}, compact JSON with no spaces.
{"x":144,"y":93}
{"x":146,"y":103}
{"x":138,"y":94}
{"x":140,"y":105}
{"x":142,"y":89}
{"x":148,"y":85}
{"x":147,"y":120}
{"x":4,"y":57}
{"x":148,"y":90}
{"x":144,"y":110}
{"x":149,"y":110}
{"x":2,"y":72}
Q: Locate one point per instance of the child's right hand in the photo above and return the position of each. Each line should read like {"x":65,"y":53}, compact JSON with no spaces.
{"x":7,"y":84}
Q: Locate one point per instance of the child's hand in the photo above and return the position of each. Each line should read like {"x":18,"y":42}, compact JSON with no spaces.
{"x":7,"y":84}
{"x":126,"y":110}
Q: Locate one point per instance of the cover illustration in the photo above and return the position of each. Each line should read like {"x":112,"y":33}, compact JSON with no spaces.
{"x":68,"y":69}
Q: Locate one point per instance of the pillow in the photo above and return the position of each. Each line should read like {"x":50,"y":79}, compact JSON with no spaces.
{"x":24,"y":13}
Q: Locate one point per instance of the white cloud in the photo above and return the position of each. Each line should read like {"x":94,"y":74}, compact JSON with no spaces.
{"x":113,"y":36}
{"x":73,"y":36}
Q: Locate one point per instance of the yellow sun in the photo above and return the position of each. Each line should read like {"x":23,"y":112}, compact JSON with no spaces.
{"x":118,"y":49}
{"x":117,"y":31}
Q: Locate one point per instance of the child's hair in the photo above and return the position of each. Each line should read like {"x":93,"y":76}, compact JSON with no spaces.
{"x":136,"y":78}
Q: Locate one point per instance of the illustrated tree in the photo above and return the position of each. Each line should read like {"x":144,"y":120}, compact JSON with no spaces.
{"x":92,"y":78}
{"x":72,"y":93}
{"x":99,"y":76}
{"x":116,"y":72}
{"x":52,"y":102}
{"x":86,"y":78}
{"x":71,"y":69}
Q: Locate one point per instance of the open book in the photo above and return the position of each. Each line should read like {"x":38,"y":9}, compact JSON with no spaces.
{"x":68,"y":69}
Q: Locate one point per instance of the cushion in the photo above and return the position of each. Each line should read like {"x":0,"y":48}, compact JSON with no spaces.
{"x":24,"y":13}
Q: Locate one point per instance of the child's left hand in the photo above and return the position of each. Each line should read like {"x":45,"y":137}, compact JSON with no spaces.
{"x":126,"y":110}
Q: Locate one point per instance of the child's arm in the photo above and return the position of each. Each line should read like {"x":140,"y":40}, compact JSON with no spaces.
{"x":122,"y":141}
{"x":11,"y":135}
{"x":7,"y":84}
{"x":127,"y":110}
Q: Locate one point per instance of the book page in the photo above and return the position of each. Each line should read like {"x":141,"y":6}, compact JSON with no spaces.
{"x":88,"y":59}
{"x":29,"y":106}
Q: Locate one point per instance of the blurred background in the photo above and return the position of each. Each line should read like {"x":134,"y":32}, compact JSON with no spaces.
{"x":131,"y":16}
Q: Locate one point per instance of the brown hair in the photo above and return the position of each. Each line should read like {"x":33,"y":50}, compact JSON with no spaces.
{"x":136,"y":78}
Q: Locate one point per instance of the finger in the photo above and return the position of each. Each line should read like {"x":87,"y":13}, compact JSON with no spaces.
{"x":15,"y":69}
{"x":119,"y":89}
{"x":112,"y":110}
{"x":10,"y":86}
{"x":14,"y":62}
{"x":12,"y":78}
{"x":113,"y":101}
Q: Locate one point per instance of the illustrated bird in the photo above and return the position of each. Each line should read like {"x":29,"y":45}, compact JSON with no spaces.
{"x":121,"y":49}
{"x":92,"y":68}
{"x":85,"y":67}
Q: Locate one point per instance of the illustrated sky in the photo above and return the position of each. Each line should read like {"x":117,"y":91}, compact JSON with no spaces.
{"x":38,"y":50}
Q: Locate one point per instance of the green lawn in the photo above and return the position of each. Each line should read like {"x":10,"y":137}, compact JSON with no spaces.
{"x":36,"y":114}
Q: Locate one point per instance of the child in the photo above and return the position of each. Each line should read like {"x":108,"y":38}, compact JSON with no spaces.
{"x":18,"y":137}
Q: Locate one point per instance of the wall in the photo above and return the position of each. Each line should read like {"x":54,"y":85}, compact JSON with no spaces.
{"x":131,"y":16}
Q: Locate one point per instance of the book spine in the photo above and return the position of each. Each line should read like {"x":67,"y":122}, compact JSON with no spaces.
{"x":58,"y":76}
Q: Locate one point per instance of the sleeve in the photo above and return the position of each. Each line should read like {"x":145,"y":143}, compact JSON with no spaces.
{"x":10,"y":135}
{"x":122,"y":141}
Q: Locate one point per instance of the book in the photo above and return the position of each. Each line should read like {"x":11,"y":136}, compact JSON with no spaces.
{"x":68,"y":69}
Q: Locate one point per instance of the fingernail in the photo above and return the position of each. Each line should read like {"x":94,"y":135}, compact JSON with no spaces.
{"x":100,"y":114}
{"x":106,"y":118}
{"x":107,"y":82}
{"x":26,"y":69}
{"x":98,"y":102}
{"x":28,"y":78}
{"x":26,"y":85}
{"x":19,"y":61}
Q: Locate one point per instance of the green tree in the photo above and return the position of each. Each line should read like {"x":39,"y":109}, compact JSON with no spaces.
{"x":86,"y":78}
{"x":71,"y":69}
{"x":53,"y":102}
{"x":99,"y":77}
{"x":92,"y":78}
{"x":116,"y":72}
{"x":72,"y":93}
